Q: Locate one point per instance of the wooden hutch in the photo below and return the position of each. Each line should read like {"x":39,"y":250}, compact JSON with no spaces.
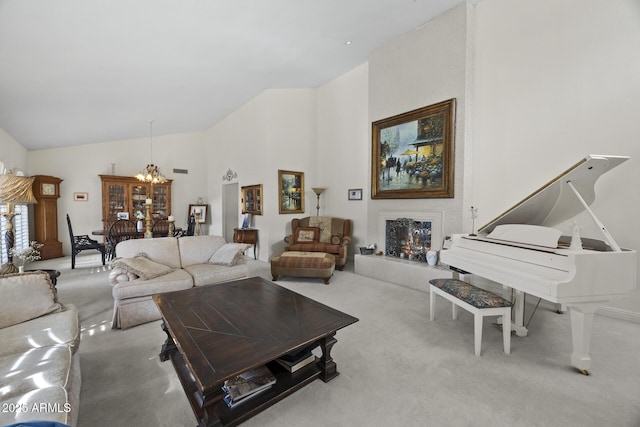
{"x":127,"y":194}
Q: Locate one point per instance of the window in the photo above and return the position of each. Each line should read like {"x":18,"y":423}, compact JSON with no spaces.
{"x":20,"y":229}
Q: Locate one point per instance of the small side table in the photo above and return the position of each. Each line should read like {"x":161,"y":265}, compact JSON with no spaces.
{"x":246,"y":235}
{"x":53,"y":275}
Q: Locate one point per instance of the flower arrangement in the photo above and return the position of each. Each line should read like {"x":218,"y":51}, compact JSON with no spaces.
{"x":139,"y":215}
{"x":28,"y":254}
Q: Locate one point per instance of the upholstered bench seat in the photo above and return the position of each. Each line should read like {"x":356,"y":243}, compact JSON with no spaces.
{"x":475,"y":300}
{"x":303,"y":264}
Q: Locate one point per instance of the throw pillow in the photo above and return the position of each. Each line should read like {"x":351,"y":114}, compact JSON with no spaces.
{"x":142,"y":267}
{"x":306,"y":235}
{"x":25,"y":297}
{"x":229,"y":254}
{"x":324,"y":224}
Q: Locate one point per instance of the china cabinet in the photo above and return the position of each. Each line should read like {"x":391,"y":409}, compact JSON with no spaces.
{"x":122,"y":196}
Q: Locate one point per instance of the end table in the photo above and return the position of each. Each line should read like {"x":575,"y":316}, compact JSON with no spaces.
{"x":246,"y":235}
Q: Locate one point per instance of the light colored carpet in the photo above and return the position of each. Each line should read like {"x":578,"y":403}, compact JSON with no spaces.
{"x":396,"y":367}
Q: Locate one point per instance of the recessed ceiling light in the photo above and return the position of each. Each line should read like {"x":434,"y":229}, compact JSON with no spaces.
{"x":348,"y":42}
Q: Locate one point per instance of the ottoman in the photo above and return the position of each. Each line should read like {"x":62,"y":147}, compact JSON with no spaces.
{"x":303,"y":264}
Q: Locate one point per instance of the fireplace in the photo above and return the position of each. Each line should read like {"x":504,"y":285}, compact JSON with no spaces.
{"x":408,"y":235}
{"x":408,"y":238}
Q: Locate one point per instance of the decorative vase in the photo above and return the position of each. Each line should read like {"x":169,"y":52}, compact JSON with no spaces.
{"x":432,"y":257}
{"x":140,"y":225}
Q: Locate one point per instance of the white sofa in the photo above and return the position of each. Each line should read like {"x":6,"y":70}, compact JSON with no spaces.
{"x":151,"y":266}
{"x":39,"y":361}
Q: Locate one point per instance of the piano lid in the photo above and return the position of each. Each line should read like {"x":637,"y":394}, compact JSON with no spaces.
{"x":555,"y":202}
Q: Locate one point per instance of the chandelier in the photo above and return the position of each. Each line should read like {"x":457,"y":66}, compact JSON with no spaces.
{"x":151,"y":173}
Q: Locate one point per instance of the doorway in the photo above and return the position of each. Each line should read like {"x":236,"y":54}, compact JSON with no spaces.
{"x":229,"y":210}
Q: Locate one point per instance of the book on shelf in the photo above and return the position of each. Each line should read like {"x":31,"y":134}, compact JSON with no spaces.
{"x":247,"y":384}
{"x":297,"y":364}
{"x":298,"y":355}
{"x":233,"y":403}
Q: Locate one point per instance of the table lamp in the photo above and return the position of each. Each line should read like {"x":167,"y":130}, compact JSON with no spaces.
{"x":13,"y":190}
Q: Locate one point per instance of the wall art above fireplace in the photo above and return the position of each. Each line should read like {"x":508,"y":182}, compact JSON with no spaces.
{"x":413,"y":154}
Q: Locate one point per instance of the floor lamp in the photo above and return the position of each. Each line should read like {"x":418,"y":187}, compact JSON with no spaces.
{"x":318,"y":191}
{"x":14,"y":190}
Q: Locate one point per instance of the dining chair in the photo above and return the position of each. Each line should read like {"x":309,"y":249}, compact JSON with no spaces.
{"x":81,"y":243}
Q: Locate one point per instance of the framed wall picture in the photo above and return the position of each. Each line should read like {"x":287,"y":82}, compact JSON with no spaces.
{"x":355,"y":194}
{"x":251,"y":199}
{"x":290,"y":192}
{"x":200,"y":213}
{"x":123,"y":215}
{"x":80,"y":197}
{"x":413,"y":154}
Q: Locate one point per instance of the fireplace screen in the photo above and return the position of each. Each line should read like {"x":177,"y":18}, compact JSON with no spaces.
{"x":407,"y":238}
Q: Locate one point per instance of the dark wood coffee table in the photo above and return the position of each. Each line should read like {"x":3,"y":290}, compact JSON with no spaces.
{"x":218,"y":331}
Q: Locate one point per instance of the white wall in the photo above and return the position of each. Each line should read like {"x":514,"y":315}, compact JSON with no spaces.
{"x":343,"y":144}
{"x":79,"y":167}
{"x":12,"y":154}
{"x":556,"y":80}
{"x":276,"y":130}
{"x":424,"y":67}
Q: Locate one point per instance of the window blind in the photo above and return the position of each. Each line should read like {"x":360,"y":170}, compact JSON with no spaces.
{"x":20,"y":229}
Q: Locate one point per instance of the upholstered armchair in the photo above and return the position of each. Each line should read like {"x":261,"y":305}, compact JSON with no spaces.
{"x":321,"y":234}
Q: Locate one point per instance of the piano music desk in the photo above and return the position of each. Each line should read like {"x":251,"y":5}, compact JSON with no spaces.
{"x":476,"y":301}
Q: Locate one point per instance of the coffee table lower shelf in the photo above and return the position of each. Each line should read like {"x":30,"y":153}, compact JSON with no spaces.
{"x":219,"y":414}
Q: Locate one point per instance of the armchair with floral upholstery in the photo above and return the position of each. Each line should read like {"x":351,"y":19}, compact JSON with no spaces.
{"x":321,"y":234}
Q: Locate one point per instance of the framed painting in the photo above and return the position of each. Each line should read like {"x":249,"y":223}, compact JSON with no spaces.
{"x":413,"y":154}
{"x":290,"y":192}
{"x":251,"y":199}
{"x":199,"y":212}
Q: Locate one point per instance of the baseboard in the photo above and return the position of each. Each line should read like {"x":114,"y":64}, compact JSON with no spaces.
{"x":618,"y":313}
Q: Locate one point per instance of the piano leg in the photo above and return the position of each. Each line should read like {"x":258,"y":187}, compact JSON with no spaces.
{"x":581,"y":326}
{"x":517,"y":325}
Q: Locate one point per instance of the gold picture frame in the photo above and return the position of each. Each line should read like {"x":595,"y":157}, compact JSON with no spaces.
{"x":251,"y":199}
{"x":290,"y":192}
{"x":413,"y":154}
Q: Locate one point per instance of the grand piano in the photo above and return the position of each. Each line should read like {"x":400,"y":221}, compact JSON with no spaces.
{"x":522,"y":250}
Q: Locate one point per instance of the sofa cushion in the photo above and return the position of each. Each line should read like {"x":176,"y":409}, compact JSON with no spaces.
{"x":142,"y":267}
{"x":54,"y":329}
{"x":229,"y":254}
{"x":324,"y":224}
{"x":25,"y":297}
{"x":177,"y":280}
{"x":207,"y":274}
{"x":306,"y":235}
{"x":198,"y":249}
{"x":40,"y":375}
{"x":163,"y":250}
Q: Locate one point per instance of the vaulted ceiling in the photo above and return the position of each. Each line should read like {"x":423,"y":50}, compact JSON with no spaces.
{"x":83,"y":71}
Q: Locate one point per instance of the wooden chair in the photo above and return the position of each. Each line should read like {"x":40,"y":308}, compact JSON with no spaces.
{"x":119,"y":231}
{"x":160,"y":228}
{"x":81,"y":243}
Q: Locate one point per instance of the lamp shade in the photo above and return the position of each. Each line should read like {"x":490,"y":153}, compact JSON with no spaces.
{"x":16,"y":189}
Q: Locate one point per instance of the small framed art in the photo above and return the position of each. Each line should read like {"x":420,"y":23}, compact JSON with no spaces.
{"x":355,"y":194}
{"x":200,"y":212}
{"x":80,"y":197}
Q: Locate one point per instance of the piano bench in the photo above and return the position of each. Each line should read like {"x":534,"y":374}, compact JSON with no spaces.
{"x":475,"y":300}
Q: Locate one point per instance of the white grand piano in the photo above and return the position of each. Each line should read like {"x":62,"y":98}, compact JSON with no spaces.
{"x":521,"y":250}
